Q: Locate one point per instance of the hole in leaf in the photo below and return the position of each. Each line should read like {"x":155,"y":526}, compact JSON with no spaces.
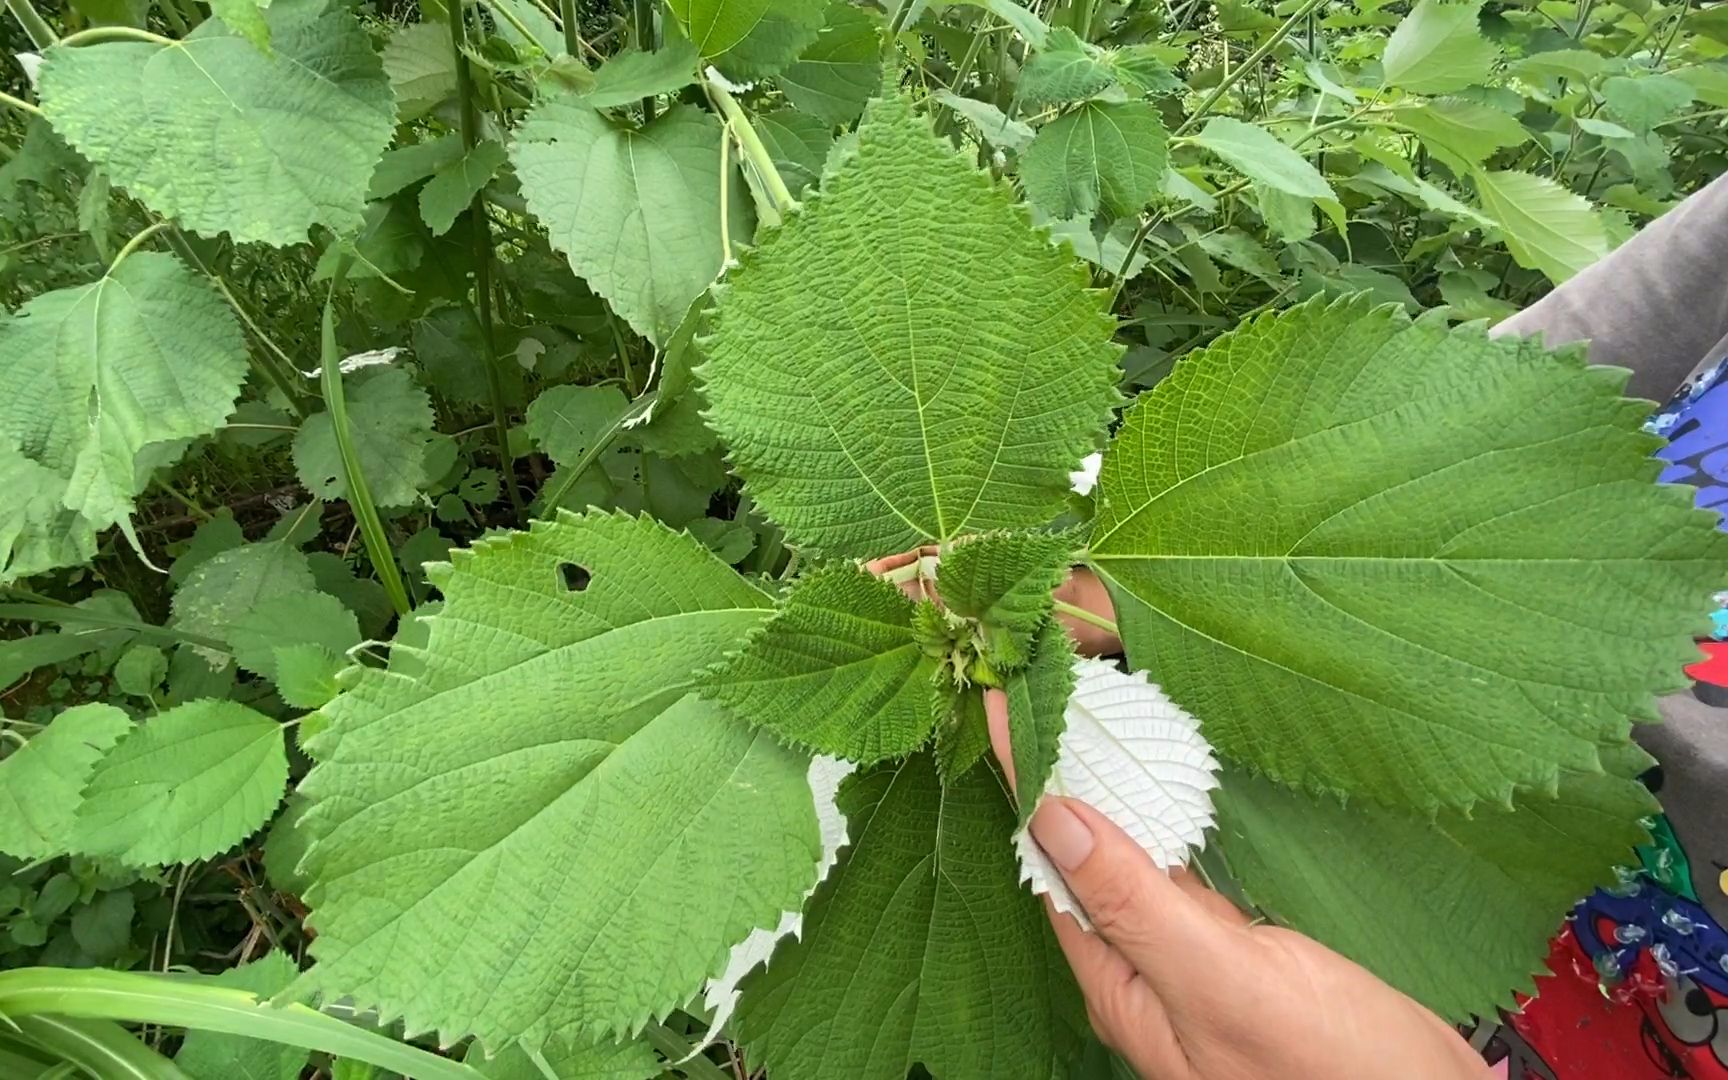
{"x":575,"y":578}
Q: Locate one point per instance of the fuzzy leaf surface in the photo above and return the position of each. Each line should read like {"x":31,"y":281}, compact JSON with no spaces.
{"x":216,"y":134}
{"x":1127,"y":751}
{"x":837,"y":670}
{"x":546,"y":756}
{"x":1457,"y":911}
{"x":874,"y":403}
{"x":1102,"y":155}
{"x":920,"y":947}
{"x":42,"y":781}
{"x":99,"y":378}
{"x":184,"y":785}
{"x":636,"y":212}
{"x":1038,"y":700}
{"x":390,"y":419}
{"x":1375,"y":557}
{"x":1005,"y":580}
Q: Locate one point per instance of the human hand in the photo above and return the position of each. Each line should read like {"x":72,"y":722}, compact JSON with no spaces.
{"x":1181,"y":985}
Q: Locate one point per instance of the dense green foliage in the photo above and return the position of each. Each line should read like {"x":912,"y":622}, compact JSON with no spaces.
{"x":439,"y":440}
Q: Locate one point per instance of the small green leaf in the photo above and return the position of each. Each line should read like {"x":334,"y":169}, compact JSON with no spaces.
{"x":838,"y":72}
{"x":1461,"y":132}
{"x":211,"y":1055}
{"x":730,"y":540}
{"x":1024,"y":22}
{"x":1100,"y":156}
{"x":1364,"y":625}
{"x":1642,"y":103}
{"x":140,"y":670}
{"x":390,"y":420}
{"x":103,"y":927}
{"x":421,"y":68}
{"x":565,"y":422}
{"x":42,"y":782}
{"x":246,"y":18}
{"x":1037,"y":700}
{"x":215,"y":134}
{"x":452,"y":189}
{"x":1438,"y":48}
{"x":1402,"y":895}
{"x":636,"y":212}
{"x":868,"y":413}
{"x":1063,"y":69}
{"x":305,"y":673}
{"x":1545,"y":226}
{"x":1005,"y":581}
{"x":1580,"y":65}
{"x":224,"y":588}
{"x":1257,"y":154}
{"x":962,"y":730}
{"x":407,"y":165}
{"x":1139,"y":69}
{"x":837,"y":670}
{"x":98,"y":378}
{"x":631,"y":76}
{"x":993,"y":124}
{"x":191,"y":782}
{"x":298,"y":618}
{"x":929,"y":871}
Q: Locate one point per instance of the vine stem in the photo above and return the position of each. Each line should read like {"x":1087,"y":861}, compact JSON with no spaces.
{"x":751,"y":144}
{"x":483,"y":261}
{"x":1074,"y":611}
{"x":1249,"y":64}
{"x":644,"y":19}
{"x":95,"y":35}
{"x":359,"y":495}
{"x":36,"y":28}
{"x":135,"y":243}
{"x":19,"y":103}
{"x":567,"y":19}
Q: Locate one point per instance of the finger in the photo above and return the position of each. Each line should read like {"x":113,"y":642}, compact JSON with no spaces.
{"x":891,"y":562}
{"x":1216,"y":904}
{"x":1152,"y":921}
{"x":1124,"y":1010}
{"x":996,"y":721}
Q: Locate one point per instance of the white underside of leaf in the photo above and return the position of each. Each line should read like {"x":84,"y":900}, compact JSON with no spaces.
{"x":721,"y":992}
{"x":1136,"y":758}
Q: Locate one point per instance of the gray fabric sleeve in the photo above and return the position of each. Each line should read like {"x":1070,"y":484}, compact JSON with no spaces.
{"x":1658,"y":304}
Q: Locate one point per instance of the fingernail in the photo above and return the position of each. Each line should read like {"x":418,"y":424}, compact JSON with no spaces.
{"x":1061,"y":833}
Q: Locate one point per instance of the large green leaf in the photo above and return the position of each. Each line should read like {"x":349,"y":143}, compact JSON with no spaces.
{"x":920,"y":947}
{"x":836,"y":74}
{"x":390,"y":421}
{"x":1438,"y":48}
{"x":546,"y":757}
{"x":873,"y":397}
{"x":1371,"y":556}
{"x":1100,"y":156}
{"x":1257,"y":154}
{"x":42,"y":781}
{"x":749,"y":38}
{"x":1455,"y":911}
{"x":185,"y":785}
{"x":837,"y":670}
{"x":99,"y":380}
{"x":224,"y":138}
{"x":636,"y":211}
{"x":1545,"y":226}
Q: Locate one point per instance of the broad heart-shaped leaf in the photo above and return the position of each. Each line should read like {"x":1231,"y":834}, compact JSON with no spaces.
{"x":873,"y":397}
{"x":1545,"y":226}
{"x":837,"y":670}
{"x":920,"y":947}
{"x":1438,"y":48}
{"x":390,"y":420}
{"x":183,"y":785}
{"x":1257,"y":154}
{"x":749,"y":39}
{"x":546,"y":757}
{"x":42,"y":781}
{"x":566,"y":422}
{"x":1004,"y":580}
{"x":836,"y":74}
{"x":1455,"y":911}
{"x":1387,"y":560}
{"x":630,"y":76}
{"x":636,"y":212}
{"x":96,"y":379}
{"x":1131,"y":754}
{"x":1098,"y":156}
{"x":223,"y":138}
{"x":1643,"y":103}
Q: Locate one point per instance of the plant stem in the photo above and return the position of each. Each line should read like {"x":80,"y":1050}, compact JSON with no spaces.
{"x":19,"y":103}
{"x":1074,"y":611}
{"x":62,"y":614}
{"x":567,"y":20}
{"x":36,"y":28}
{"x":623,"y":352}
{"x":1249,"y":64}
{"x":483,"y":262}
{"x":95,"y":35}
{"x":644,"y":19}
{"x":185,"y":500}
{"x":751,"y":144}
{"x":135,"y":243}
{"x":359,"y":495}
